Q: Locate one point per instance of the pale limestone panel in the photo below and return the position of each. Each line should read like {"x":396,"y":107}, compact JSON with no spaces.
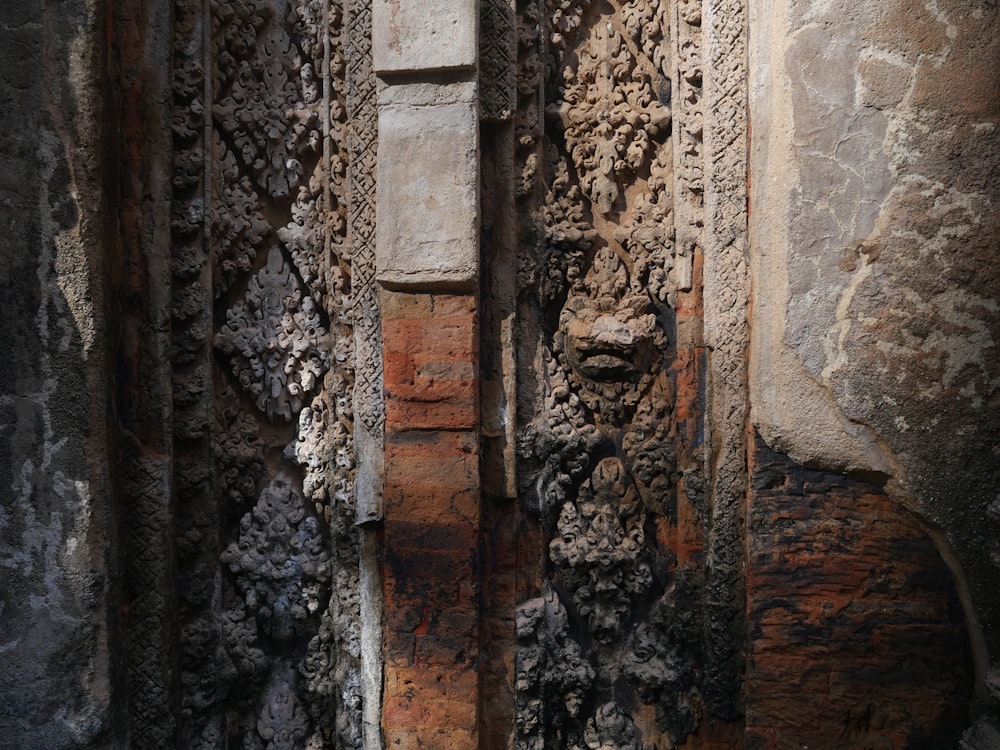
{"x":427,"y":230}
{"x":415,"y":35}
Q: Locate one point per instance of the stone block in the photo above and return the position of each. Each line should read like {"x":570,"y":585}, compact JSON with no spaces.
{"x":414,"y":35}
{"x":427,"y":237}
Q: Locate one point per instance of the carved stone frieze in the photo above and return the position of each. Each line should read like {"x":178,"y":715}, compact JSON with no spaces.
{"x":265,"y":417}
{"x":362,"y":110}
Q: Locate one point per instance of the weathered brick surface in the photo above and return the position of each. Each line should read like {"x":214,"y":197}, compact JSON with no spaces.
{"x":855,"y":633}
{"x":430,"y":548}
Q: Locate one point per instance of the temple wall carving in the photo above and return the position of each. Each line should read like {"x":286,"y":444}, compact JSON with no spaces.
{"x":532,"y":374}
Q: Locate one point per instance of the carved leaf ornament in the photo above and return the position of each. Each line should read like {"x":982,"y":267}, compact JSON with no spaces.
{"x":275,"y":341}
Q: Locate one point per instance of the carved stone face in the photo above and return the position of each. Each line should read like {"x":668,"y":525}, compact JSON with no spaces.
{"x":609,"y":338}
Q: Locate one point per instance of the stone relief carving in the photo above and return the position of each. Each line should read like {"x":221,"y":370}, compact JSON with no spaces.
{"x":238,"y":230}
{"x":606,"y":463}
{"x":363,"y":147}
{"x":608,"y":339}
{"x":263,"y":384}
{"x":552,"y":676}
{"x":280,"y":561}
{"x":238,"y":451}
{"x":267,"y":417}
{"x":727,"y":298}
{"x":275,"y":340}
{"x":600,"y":551}
{"x":609,"y":728}
{"x":497,"y":71}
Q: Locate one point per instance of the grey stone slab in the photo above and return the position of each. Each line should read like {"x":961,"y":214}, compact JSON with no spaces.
{"x":421,"y":35}
{"x":427,"y":235}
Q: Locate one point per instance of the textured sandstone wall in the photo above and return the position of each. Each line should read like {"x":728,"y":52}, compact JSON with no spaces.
{"x":874,"y":230}
{"x":186,"y":186}
{"x":56,"y":530}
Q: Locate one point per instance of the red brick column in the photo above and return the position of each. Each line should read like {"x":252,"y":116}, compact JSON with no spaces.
{"x":432,"y":512}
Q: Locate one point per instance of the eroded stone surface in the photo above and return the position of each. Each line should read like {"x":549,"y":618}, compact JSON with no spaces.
{"x":421,"y":35}
{"x":875,"y":196}
{"x":857,"y":635}
{"x":428,"y":197}
{"x":57,"y":616}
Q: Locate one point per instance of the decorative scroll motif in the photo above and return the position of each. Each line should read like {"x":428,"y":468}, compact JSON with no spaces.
{"x":727,"y":301}
{"x":194,"y":510}
{"x":497,"y":53}
{"x":362,"y":110}
{"x":609,"y":462}
{"x":688,"y":133}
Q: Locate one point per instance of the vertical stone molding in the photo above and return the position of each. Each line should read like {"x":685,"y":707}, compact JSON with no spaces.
{"x":427,"y":260}
{"x":727,"y":296}
{"x":430,"y":542}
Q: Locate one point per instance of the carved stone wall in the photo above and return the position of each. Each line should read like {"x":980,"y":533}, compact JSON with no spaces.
{"x":455,"y":374}
{"x":263,"y":380}
{"x":614,"y":470}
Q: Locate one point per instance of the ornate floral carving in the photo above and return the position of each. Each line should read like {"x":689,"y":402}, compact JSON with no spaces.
{"x":239,"y":453}
{"x":275,"y":340}
{"x":283,"y":723}
{"x":664,"y":653}
{"x":260,"y":162}
{"x":280,"y":560}
{"x":331,"y":667}
{"x":600,"y":549}
{"x":610,"y":108}
{"x":237,"y":227}
{"x":649,"y":444}
{"x":557,"y":444}
{"x":268,"y":101}
{"x":527,"y":122}
{"x":552,"y":676}
{"x":604,"y":460}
